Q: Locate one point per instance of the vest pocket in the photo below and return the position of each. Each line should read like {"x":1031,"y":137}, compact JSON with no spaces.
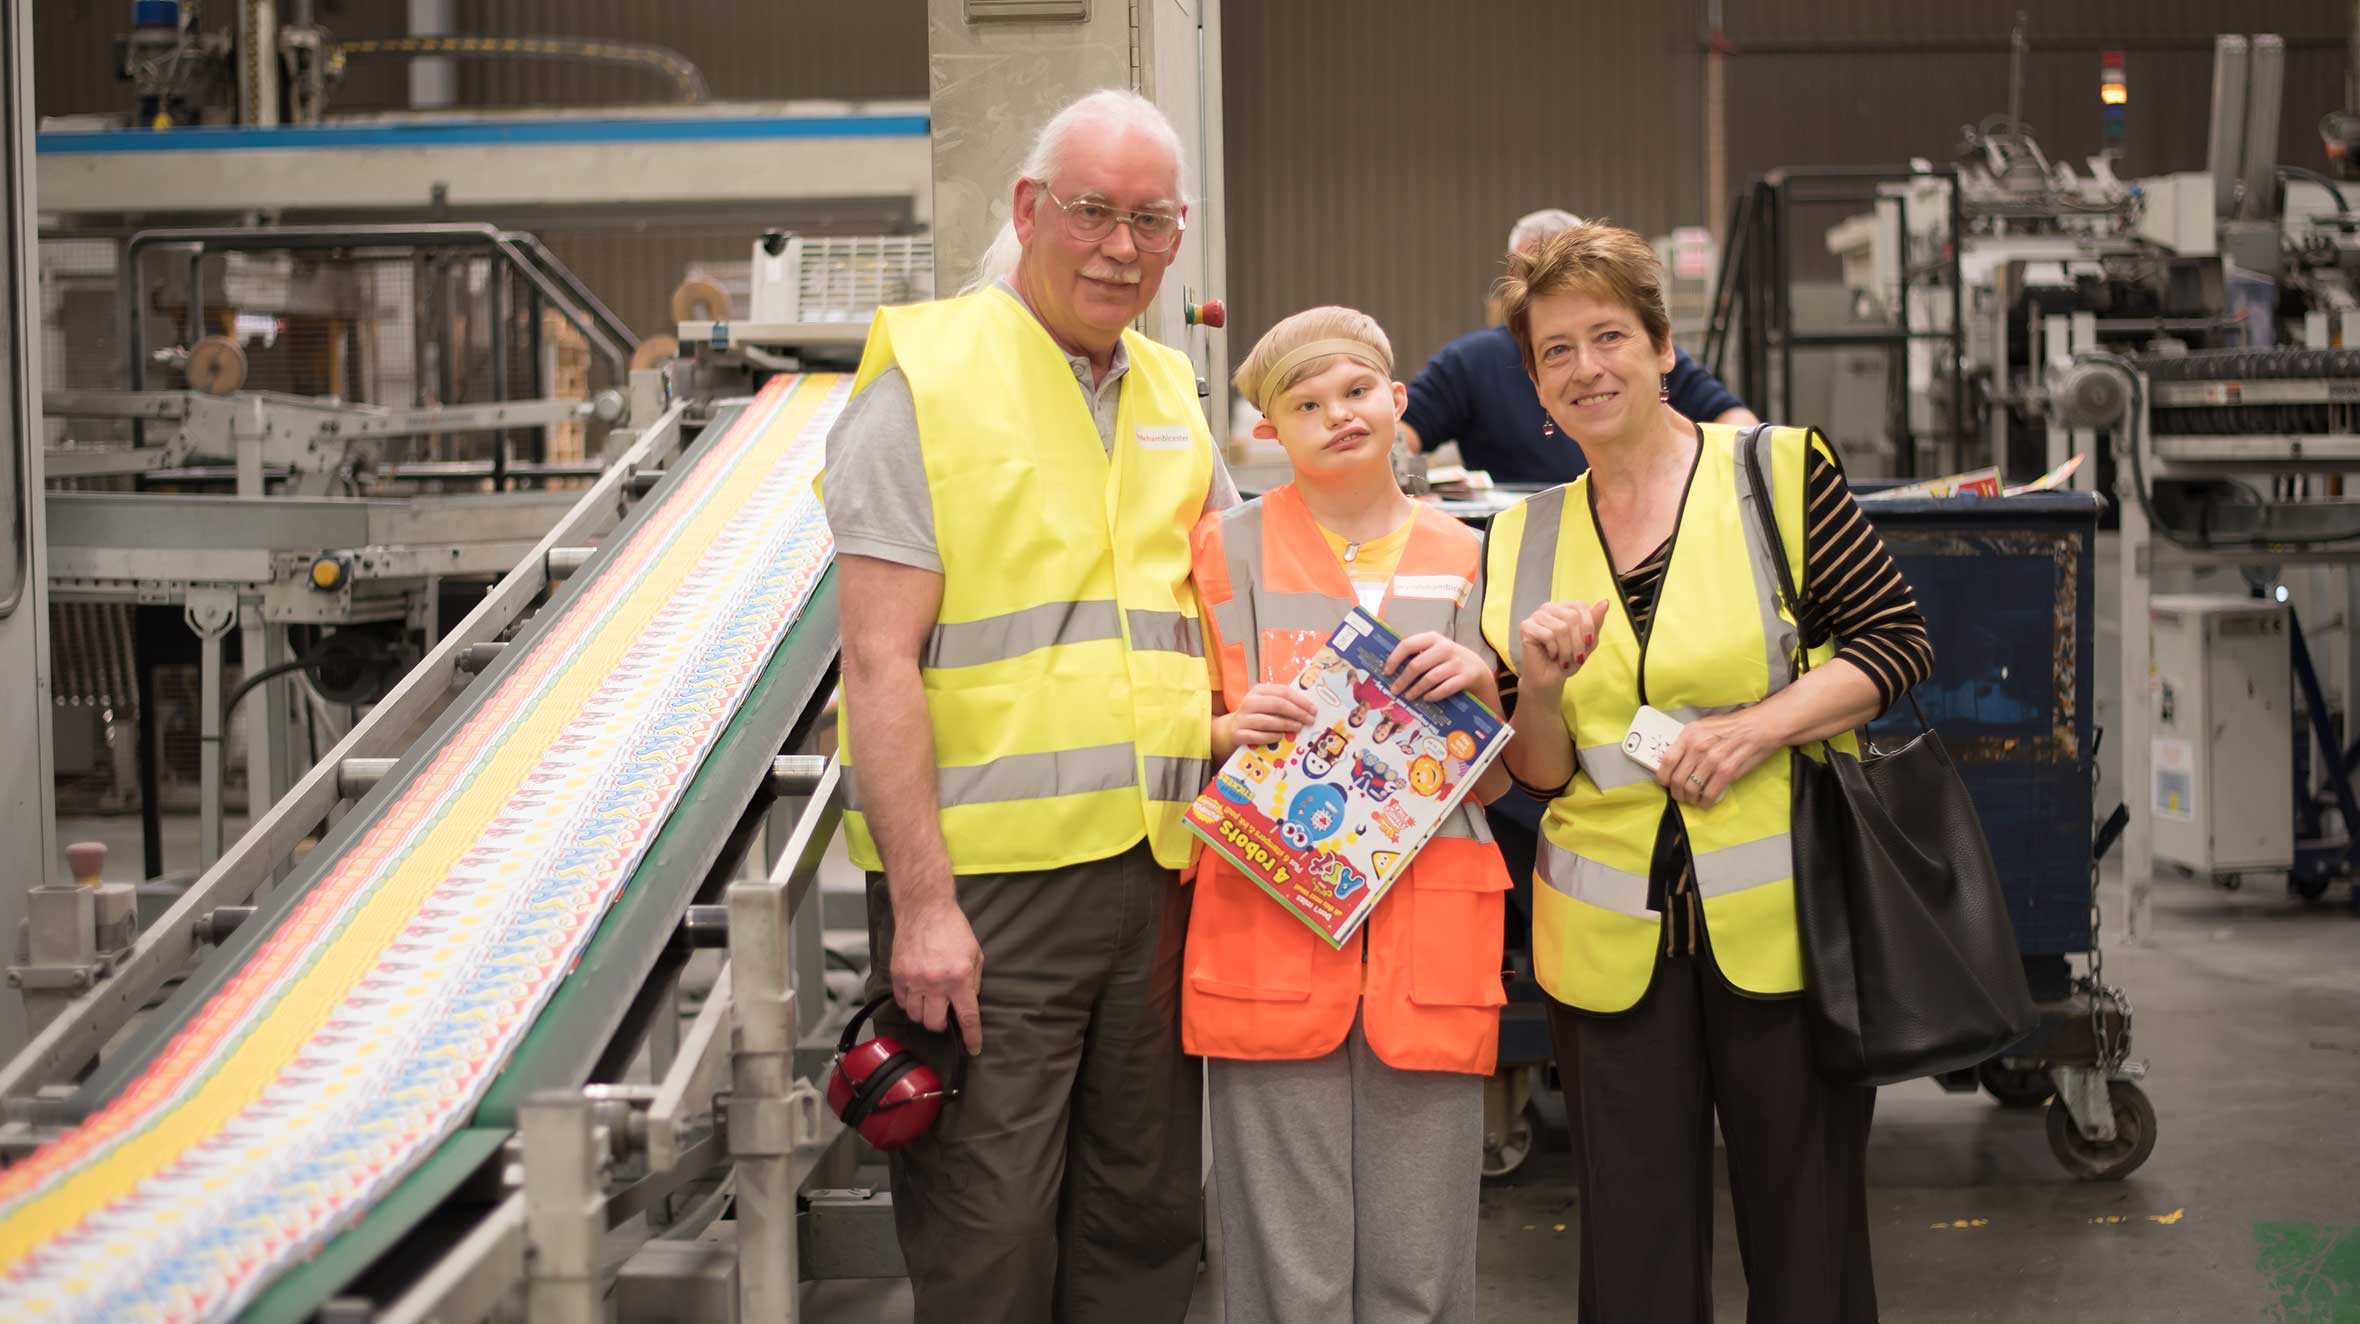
{"x":1458,"y":896}
{"x":1243,"y":944}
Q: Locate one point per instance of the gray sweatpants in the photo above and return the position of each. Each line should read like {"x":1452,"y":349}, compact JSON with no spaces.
{"x":1347,"y":1189}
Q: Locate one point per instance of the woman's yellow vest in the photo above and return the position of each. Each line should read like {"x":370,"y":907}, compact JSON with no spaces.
{"x":1065,"y":679}
{"x":1721,"y":640}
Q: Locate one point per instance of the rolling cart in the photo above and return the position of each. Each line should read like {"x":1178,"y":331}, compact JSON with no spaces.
{"x":2007,"y":588}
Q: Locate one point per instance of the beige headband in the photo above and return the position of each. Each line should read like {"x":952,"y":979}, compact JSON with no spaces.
{"x":1317,"y":349}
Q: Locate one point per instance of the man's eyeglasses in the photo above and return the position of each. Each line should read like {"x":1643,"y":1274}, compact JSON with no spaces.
{"x":1091,"y":220}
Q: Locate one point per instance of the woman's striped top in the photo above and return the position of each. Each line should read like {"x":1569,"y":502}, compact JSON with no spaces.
{"x":1853,"y":594}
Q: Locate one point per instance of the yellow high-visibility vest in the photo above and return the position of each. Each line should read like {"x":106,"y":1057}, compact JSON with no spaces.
{"x":1722,"y":639}
{"x":1065,"y":679}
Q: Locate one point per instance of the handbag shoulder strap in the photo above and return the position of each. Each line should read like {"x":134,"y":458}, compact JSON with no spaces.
{"x":1755,"y":449}
{"x":1757,"y":463}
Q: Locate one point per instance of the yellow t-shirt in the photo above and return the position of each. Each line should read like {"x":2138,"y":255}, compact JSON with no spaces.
{"x":1370,"y":565}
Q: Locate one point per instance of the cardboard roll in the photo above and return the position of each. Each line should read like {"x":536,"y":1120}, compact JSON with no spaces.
{"x":216,"y":366}
{"x":654,"y":352}
{"x":700,"y":300}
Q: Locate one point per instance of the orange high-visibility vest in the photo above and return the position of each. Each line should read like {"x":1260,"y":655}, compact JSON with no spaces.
{"x":1260,"y":985}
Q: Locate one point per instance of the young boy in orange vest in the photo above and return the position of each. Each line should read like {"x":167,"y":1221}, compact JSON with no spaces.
{"x":1346,"y":1085}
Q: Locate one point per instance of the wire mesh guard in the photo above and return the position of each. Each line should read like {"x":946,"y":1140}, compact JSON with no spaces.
{"x":845,"y":279}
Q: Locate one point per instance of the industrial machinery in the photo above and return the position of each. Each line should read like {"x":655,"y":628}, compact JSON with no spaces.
{"x":318,"y":530}
{"x":2221,"y":708}
{"x":2185,"y":334}
{"x":807,"y":299}
{"x":257,"y":68}
{"x":416,"y":1046}
{"x":1975,"y":283}
{"x":2009,"y":596}
{"x":416,"y":1056}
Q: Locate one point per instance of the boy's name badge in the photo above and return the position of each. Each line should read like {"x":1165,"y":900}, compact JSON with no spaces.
{"x":1438,"y":588}
{"x":1164,"y":439}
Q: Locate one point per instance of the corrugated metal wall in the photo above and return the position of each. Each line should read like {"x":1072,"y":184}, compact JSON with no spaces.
{"x":1378,"y":150}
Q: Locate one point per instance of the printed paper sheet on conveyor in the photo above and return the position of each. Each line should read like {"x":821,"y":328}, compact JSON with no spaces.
{"x":365,"y":1027}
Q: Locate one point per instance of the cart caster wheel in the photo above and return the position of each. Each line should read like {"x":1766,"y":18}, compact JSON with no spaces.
{"x":2016,"y":1087}
{"x":2309,"y":889}
{"x":2134,"y":1136}
{"x":2231,"y":882}
{"x":1515,"y":1148}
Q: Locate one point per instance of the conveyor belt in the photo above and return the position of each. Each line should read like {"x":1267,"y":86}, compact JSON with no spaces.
{"x":364,"y":1027}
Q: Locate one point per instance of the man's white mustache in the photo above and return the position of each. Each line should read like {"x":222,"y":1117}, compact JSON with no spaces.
{"x":1108,"y":271}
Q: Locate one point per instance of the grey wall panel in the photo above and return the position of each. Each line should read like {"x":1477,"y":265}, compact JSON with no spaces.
{"x":1380,"y":149}
{"x":2115,"y":23}
{"x":747,"y":51}
{"x":1847,"y":109}
{"x":75,"y":45}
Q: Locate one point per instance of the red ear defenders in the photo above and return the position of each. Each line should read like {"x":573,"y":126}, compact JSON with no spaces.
{"x":882,"y":1090}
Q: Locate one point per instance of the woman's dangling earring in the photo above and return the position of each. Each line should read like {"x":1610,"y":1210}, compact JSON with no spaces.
{"x":1663,"y":393}
{"x":1549,"y":427}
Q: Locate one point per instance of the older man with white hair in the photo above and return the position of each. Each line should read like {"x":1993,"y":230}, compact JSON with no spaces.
{"x":1026,"y":714}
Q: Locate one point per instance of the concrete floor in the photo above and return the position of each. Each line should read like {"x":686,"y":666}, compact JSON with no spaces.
{"x":2248,"y":1012}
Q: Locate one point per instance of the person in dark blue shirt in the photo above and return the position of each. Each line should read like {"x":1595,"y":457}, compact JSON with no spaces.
{"x":1474,"y":391}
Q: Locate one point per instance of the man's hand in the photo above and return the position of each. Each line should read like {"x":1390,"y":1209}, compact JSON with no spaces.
{"x":1429,"y":665}
{"x":938,"y":969}
{"x":1270,"y":713}
{"x":1558,"y":638}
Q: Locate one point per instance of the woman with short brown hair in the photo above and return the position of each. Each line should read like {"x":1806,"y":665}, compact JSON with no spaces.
{"x":1642,"y":599}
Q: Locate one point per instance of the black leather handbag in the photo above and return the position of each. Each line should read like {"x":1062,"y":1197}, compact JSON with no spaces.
{"x":1910,"y":966}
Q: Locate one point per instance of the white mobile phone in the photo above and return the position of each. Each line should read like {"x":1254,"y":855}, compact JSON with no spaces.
{"x":1651,"y":735}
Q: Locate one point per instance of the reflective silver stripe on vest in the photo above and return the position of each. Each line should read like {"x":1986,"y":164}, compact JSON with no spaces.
{"x":1177,"y":780}
{"x":1749,"y":864}
{"x":1466,"y":820}
{"x":1778,"y":636}
{"x":1164,"y":632}
{"x":1241,"y":552}
{"x":1592,"y":883}
{"x":1235,"y":620}
{"x":1609,"y":769}
{"x":1064,"y":772}
{"x":1536,"y":566}
{"x":1408,"y":616}
{"x":1038,"y":776}
{"x":998,"y":638}
{"x":1251,"y":609}
{"x":1316,"y":613}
